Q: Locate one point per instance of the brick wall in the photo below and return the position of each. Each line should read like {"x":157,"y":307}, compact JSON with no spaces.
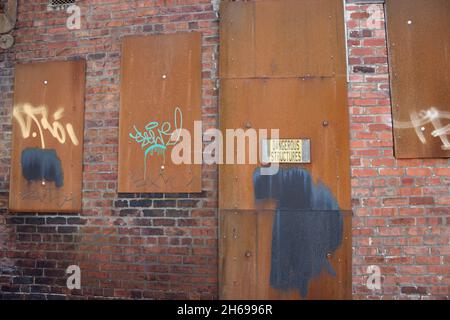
{"x":165,"y":246}
{"x":127,"y":245}
{"x":401,"y":207}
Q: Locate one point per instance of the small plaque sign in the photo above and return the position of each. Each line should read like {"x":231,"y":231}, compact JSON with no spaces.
{"x":286,"y":151}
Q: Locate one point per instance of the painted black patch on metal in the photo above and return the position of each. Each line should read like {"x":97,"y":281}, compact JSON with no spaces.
{"x":42,"y":165}
{"x":307,"y":226}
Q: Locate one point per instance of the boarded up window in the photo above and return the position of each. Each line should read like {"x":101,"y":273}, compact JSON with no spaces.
{"x":160,"y":93}
{"x":419,"y":53}
{"x":47,"y":141}
{"x":282,"y":66}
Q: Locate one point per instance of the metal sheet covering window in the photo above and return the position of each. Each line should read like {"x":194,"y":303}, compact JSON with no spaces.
{"x":419,"y":51}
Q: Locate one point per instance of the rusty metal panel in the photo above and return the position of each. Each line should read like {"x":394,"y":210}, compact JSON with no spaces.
{"x":160,"y":92}
{"x":245,"y":260}
{"x":419,"y":38}
{"x":282,"y":39}
{"x":275,"y":76}
{"x":301,"y":108}
{"x":47,"y":137}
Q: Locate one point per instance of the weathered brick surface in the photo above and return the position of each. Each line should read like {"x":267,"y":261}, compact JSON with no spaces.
{"x":401,"y":207}
{"x":146,"y":246}
{"x":128,"y":245}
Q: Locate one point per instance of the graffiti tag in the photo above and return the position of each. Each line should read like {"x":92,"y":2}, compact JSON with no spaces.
{"x":26,"y":115}
{"x":433,"y":116}
{"x":156,"y":137}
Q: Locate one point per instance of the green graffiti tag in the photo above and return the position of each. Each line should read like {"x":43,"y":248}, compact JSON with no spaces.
{"x":157,"y":137}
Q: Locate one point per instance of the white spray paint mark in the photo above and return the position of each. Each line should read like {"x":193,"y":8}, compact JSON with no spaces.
{"x":420,"y":119}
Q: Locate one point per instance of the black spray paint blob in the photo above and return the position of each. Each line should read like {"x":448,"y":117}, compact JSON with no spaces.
{"x":307,"y":226}
{"x":42,"y":165}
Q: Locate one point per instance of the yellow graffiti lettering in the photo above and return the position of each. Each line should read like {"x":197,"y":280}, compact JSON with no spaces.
{"x":26,"y":115}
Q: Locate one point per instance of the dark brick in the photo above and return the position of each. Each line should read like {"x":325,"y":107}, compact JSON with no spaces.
{"x":177,"y":195}
{"x":414,"y":290}
{"x":56,"y":297}
{"x":164,"y":203}
{"x":193,"y":25}
{"x":12,"y":296}
{"x":76,"y":221}
{"x":22,"y":280}
{"x":129,"y":212}
{"x":32,"y":272}
{"x":9,"y":288}
{"x":44,"y":280}
{"x":153,"y":212}
{"x":366,"y":33}
{"x":56,"y":220}
{"x":36,"y":297}
{"x":177,"y":213}
{"x":147,"y":28}
{"x":46,"y":229}
{"x":39,"y":289}
{"x":67,"y":229}
{"x":54,"y":273}
{"x":363,"y":69}
{"x":24,"y":237}
{"x":142,"y":222}
{"x":136,"y":294}
{"x":26,"y":229}
{"x":96,"y":56}
{"x":151,"y":195}
{"x":45,"y":264}
{"x":127,"y":195}
{"x":15,"y":220}
{"x":121,"y":203}
{"x":152,"y":231}
{"x":141,"y":203}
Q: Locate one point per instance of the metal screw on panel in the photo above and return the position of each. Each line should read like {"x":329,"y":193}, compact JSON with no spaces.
{"x":45,"y":82}
{"x":162,"y":167}
{"x":422,"y":129}
{"x":248,"y":254}
{"x":248,"y":125}
{"x":328,"y":255}
{"x":409,"y":22}
{"x":164,"y":76}
{"x":325,"y":123}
